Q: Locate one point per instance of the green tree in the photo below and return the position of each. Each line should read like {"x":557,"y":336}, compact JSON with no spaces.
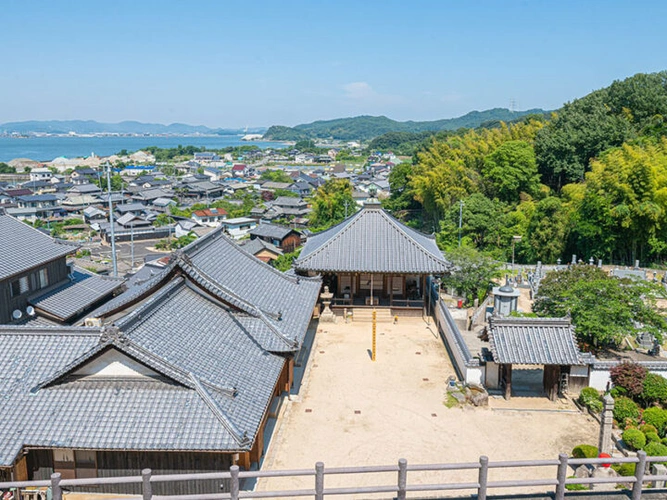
{"x":285,"y":261}
{"x":511,"y":170}
{"x":604,"y":309}
{"x":276,"y":176}
{"x":329,"y":204}
{"x":6,"y":169}
{"x":162,"y":220}
{"x":473,"y":273}
{"x":547,"y":231}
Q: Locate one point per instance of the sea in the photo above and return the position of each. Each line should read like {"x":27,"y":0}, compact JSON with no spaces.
{"x":49,"y":148}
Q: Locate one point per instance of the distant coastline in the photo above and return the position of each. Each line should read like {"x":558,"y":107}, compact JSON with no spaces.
{"x":45,"y":148}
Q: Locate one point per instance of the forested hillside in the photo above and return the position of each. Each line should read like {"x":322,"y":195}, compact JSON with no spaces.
{"x":591,"y":180}
{"x":368,"y":127}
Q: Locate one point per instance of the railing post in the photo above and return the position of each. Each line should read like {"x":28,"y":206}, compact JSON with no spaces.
{"x":319,"y":481}
{"x":402,"y":478}
{"x":561,"y":476}
{"x":56,"y":491}
{"x":234,"y":483}
{"x":483,"y":477}
{"x":147,"y":487}
{"x":639,"y":475}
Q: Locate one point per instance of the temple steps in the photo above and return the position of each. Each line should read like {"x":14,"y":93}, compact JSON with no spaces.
{"x":365,"y":315}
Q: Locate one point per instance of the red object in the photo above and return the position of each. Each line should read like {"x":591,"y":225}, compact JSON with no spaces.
{"x":459,"y":304}
{"x":605,"y":455}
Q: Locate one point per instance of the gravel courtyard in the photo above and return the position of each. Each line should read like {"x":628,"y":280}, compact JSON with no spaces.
{"x":352,"y":411}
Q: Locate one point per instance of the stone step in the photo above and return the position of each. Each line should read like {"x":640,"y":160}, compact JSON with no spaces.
{"x":366,"y":315}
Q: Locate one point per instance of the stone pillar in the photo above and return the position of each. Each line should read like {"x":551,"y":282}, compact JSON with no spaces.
{"x":658,"y":470}
{"x":604,"y":444}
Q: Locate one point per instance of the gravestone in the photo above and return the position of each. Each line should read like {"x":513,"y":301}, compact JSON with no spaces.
{"x":604,"y":444}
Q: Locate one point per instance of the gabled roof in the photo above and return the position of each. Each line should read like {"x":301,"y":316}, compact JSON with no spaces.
{"x":271,"y":231}
{"x":258,"y":245}
{"x":371,"y":240}
{"x":534,"y":341}
{"x":22,"y":247}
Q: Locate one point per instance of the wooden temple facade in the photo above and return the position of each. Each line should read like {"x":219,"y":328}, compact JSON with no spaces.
{"x":372,"y":259}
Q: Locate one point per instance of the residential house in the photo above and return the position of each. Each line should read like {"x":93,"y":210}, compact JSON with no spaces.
{"x":287,"y":239}
{"x":147,"y":196}
{"x":131,"y":208}
{"x":206,"y":156}
{"x":85,"y":188}
{"x":264,"y":251}
{"x":238,"y":227}
{"x":84,"y":175}
{"x":211,"y":217}
{"x":41,"y":174}
{"x":35,"y":279}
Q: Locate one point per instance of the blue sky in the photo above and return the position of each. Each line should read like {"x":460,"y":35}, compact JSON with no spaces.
{"x":257,"y":63}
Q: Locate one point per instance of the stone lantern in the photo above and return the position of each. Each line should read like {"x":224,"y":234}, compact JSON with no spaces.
{"x":505,"y":299}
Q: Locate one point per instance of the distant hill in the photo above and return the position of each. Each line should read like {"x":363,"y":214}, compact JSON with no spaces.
{"x":126,"y":127}
{"x":369,"y":127}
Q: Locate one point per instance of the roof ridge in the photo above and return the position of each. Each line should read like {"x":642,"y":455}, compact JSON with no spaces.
{"x":397,"y":225}
{"x":49,"y":330}
{"x":242,"y":439}
{"x":129,"y":320}
{"x":210,"y":238}
{"x":342,"y":227}
{"x":245,"y":306}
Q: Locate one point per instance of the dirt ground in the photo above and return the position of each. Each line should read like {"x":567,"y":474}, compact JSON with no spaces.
{"x":352,"y":411}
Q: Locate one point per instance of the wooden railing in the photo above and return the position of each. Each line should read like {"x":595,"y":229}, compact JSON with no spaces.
{"x":398,"y":489}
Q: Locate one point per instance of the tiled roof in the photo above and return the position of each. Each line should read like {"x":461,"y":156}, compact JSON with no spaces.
{"x":84,"y":290}
{"x":257,"y":245}
{"x":23,"y":247}
{"x":372,"y":241}
{"x":240,"y":274}
{"x":130,"y":207}
{"x":271,"y":231}
{"x":540,"y":341}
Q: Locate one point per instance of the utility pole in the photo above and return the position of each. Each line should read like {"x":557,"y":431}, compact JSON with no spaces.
{"x":132,"y":244}
{"x":111,"y":222}
{"x":460,"y":219}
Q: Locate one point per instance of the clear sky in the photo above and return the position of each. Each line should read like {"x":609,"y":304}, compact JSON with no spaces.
{"x":258,"y":63}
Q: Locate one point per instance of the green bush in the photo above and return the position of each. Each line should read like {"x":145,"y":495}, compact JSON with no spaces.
{"x":664,"y":441}
{"x":656,"y":449}
{"x":617,"y":391}
{"x":657,"y":417}
{"x":626,"y":409}
{"x":585,"y":451}
{"x":648,"y":428}
{"x":652,"y":437}
{"x":634,"y":438}
{"x":576,"y":486}
{"x":625,"y":469}
{"x":590,"y":398}
{"x":655,"y":389}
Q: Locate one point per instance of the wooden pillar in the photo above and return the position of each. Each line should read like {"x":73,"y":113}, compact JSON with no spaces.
{"x":244,"y":460}
{"x":391,"y":290}
{"x":290,"y":375}
{"x":507,"y":370}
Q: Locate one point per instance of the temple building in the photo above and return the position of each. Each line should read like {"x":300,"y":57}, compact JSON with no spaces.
{"x":177,"y":373}
{"x":372,"y":259}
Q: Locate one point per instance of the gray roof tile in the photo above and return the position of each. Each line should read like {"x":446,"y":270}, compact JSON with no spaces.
{"x":541,"y":341}
{"x":74,"y":297}
{"x":371,"y":241}
{"x":23,"y":247}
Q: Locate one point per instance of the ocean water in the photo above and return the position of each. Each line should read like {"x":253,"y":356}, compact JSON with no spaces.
{"x":48,"y":148}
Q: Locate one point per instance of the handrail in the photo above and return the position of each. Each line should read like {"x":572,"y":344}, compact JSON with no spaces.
{"x":399,"y":488}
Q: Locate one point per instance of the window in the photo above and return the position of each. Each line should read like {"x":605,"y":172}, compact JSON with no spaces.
{"x":43,"y":278}
{"x":75,"y":464}
{"x":20,"y":286}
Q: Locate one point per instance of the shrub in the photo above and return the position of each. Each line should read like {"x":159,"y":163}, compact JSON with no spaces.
{"x":618,"y":391}
{"x":648,"y":428}
{"x":657,"y":417}
{"x":629,"y":376}
{"x":625,"y":469}
{"x":590,"y":398}
{"x":634,"y":438}
{"x":625,"y":409}
{"x":585,"y":451}
{"x":652,"y":437}
{"x":656,"y":450}
{"x":576,"y":486}
{"x":655,"y":389}
{"x":664,"y":441}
